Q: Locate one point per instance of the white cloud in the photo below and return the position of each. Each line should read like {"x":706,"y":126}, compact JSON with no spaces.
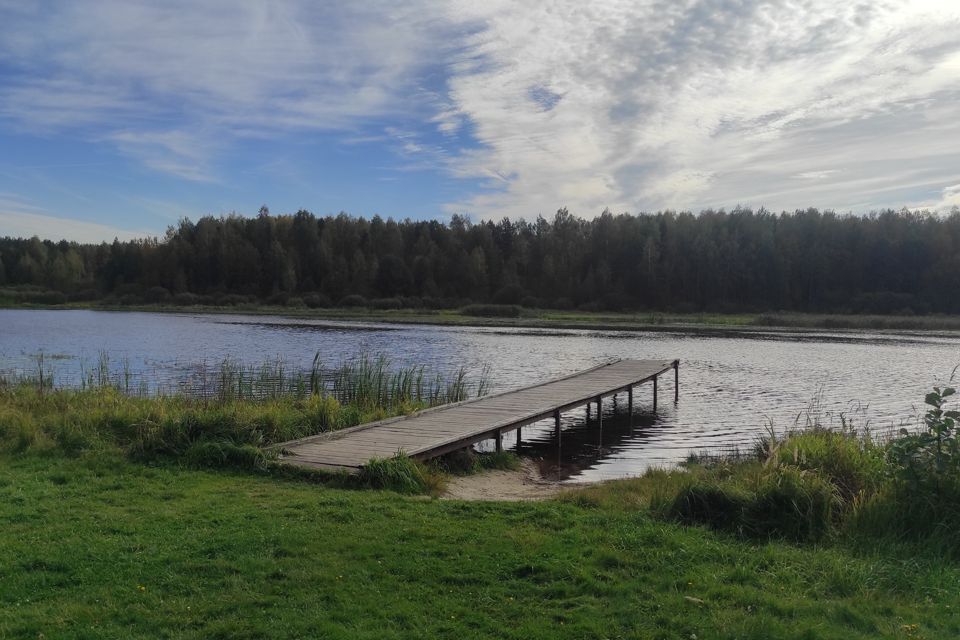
{"x":20,"y":219}
{"x":705,"y":103}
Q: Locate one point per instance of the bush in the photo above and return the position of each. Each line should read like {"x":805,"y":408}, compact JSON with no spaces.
{"x":156,"y":295}
{"x":317,"y":301}
{"x":921,"y":501}
{"x":353,"y":300}
{"x":186,"y":299}
{"x":232,"y":300}
{"x":296,"y":301}
{"x":531,"y":302}
{"x":386,"y":303}
{"x":42,"y":297}
{"x":492,"y":310}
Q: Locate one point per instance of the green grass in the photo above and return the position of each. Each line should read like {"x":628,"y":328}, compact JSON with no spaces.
{"x":98,"y":547}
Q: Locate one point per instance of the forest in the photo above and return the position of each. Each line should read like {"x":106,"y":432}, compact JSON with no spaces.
{"x":726,"y":261}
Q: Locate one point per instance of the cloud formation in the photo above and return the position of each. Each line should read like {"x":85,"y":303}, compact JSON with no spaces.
{"x":706,"y":103}
{"x":613,"y":104}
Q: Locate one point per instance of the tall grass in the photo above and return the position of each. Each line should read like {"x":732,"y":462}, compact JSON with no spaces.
{"x":240,"y":413}
{"x":366,"y":381}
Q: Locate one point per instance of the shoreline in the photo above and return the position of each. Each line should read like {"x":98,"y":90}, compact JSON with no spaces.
{"x":549,"y":319}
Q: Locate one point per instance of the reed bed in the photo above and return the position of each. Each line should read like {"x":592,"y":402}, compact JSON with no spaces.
{"x":229,"y":415}
{"x":366,"y":381}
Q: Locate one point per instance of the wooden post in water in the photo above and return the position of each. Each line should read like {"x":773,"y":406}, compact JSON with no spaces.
{"x":676,"y":381}
{"x":655,"y":394}
{"x":600,"y":411}
{"x":519,"y":439}
{"x":630,"y":400}
{"x":499,"y":440}
{"x":556,"y":425}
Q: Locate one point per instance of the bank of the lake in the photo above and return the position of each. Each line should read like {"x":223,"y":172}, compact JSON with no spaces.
{"x":99,"y":547}
{"x":521,"y":317}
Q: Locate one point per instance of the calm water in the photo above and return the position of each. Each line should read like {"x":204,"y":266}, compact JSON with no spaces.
{"x":732,"y":385}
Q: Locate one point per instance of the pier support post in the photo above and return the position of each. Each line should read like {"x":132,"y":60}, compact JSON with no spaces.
{"x":600,"y":411}
{"x":556,"y":425}
{"x":519,"y":439}
{"x":655,"y":395}
{"x":499,"y":440}
{"x":630,"y":400}
{"x":676,"y":381}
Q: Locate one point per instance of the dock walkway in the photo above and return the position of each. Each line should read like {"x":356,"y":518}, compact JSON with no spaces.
{"x":439,"y":430}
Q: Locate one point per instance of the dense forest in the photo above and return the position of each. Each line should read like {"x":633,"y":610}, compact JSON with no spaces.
{"x":887,"y":262}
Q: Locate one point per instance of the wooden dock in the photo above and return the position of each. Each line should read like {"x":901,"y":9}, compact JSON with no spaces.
{"x":446,"y":428}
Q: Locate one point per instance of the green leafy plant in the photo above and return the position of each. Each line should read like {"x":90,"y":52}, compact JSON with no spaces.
{"x":929,"y":459}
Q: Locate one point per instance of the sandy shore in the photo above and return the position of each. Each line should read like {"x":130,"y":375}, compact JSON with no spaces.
{"x":523,"y":484}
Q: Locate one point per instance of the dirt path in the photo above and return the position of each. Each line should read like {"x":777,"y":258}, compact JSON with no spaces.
{"x":522,"y":484}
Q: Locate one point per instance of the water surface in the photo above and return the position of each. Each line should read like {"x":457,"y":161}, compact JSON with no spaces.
{"x":733,"y":385}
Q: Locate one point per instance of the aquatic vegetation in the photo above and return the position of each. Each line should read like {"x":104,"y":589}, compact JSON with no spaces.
{"x":231,"y":421}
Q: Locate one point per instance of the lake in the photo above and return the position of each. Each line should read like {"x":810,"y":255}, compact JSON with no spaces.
{"x":734,"y":385}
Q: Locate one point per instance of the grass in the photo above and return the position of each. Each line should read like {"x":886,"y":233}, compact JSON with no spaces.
{"x":98,"y":547}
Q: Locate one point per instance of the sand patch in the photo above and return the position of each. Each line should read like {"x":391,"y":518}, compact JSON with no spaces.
{"x":523,"y":484}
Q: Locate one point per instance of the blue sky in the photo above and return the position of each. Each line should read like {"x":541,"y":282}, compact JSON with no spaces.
{"x":117,"y":118}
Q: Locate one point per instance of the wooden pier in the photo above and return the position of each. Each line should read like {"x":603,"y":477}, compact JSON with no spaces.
{"x":439,"y":430}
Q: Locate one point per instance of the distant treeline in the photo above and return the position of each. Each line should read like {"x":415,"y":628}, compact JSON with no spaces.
{"x":888,"y":262}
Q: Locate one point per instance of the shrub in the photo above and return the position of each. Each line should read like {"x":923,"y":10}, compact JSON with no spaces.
{"x":42,"y":297}
{"x":186,"y":299}
{"x":156,"y":295}
{"x":232,"y":300}
{"x":492,"y":310}
{"x":353,"y":300}
{"x":386,"y":303}
{"x":531,"y":302}
{"x":296,"y":301}
{"x":317,"y":301}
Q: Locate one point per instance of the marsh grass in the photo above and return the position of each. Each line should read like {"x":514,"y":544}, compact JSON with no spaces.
{"x":240,"y":413}
{"x":401,"y":474}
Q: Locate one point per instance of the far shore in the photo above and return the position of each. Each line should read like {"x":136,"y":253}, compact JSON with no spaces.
{"x":555,"y":319}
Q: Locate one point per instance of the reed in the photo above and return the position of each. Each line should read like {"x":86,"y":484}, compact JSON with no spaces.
{"x":221,"y":416}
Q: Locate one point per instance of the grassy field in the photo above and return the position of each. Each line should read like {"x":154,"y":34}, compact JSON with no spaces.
{"x":142,"y":517}
{"x":98,"y":547}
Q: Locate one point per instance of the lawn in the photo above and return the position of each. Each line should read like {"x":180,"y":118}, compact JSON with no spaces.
{"x":96,"y":546}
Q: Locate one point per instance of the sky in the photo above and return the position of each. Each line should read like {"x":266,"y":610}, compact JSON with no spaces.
{"x":118,"y":118}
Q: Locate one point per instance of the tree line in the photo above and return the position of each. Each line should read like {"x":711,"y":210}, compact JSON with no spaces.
{"x":741,"y":260}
